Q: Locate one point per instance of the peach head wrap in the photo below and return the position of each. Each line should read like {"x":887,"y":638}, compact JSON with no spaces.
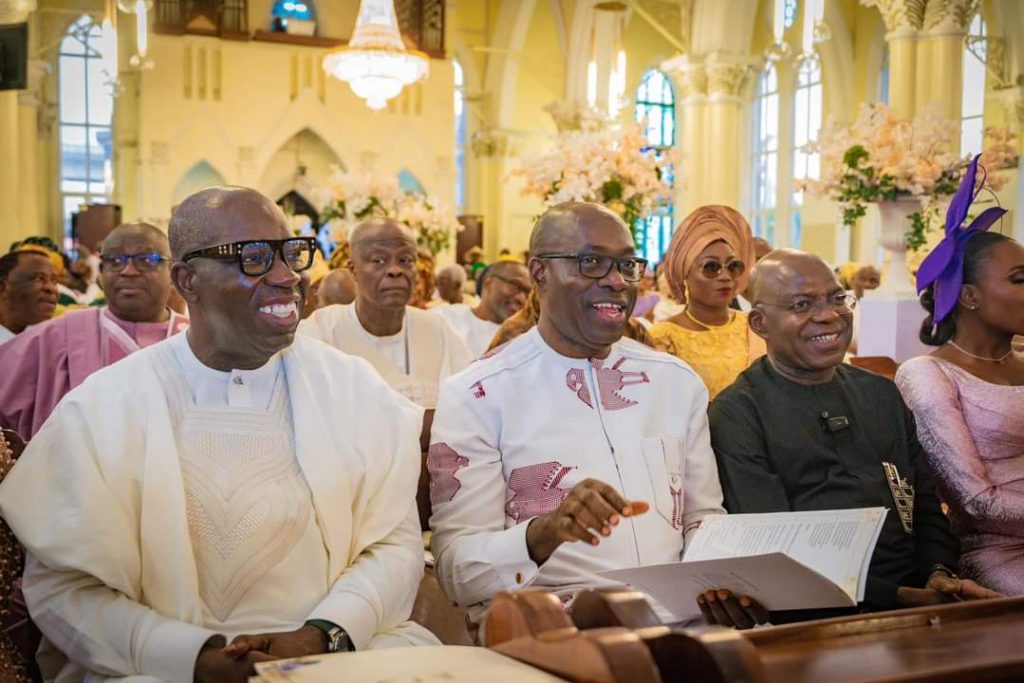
{"x":703,"y":226}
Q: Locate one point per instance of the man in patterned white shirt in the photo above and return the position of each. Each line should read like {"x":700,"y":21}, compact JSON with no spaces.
{"x":569,"y":450}
{"x":230,"y":495}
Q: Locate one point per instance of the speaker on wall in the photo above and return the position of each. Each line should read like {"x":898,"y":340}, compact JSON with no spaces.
{"x":14,"y":56}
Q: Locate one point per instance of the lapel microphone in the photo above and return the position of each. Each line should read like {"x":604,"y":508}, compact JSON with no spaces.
{"x":834,"y":424}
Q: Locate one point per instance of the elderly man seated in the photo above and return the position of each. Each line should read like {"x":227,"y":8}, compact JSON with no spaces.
{"x":230,"y":485}
{"x":28,"y":291}
{"x":573,"y":450}
{"x":799,"y":430}
{"x":411,"y":349}
{"x":50,"y":359}
{"x":506,"y":284}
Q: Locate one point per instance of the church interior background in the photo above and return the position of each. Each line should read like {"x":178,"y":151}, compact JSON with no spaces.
{"x":234,"y":92}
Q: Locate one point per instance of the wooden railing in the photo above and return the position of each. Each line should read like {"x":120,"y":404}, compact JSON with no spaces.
{"x":421,"y":21}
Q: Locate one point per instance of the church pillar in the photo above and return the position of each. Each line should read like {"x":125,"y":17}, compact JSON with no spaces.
{"x":903,"y":20}
{"x":941,"y":55}
{"x":495,"y":149}
{"x":29,"y":102}
{"x":692,"y":81}
{"x":722,"y":140}
{"x":10,"y":188}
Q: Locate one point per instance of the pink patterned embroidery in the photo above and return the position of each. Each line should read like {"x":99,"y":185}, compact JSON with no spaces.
{"x":677,"y":507}
{"x":566,"y":600}
{"x":535,"y":490}
{"x":610,"y":381}
{"x":443,"y":463}
{"x":478,"y":390}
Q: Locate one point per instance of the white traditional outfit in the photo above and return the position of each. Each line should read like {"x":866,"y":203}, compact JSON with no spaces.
{"x":5,"y":334}
{"x":475,"y":332}
{"x":164,"y":502}
{"x":517,"y":430}
{"x":413,"y":362}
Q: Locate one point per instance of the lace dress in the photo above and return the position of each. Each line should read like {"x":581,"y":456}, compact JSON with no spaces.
{"x":718,"y":354}
{"x":973,"y":432}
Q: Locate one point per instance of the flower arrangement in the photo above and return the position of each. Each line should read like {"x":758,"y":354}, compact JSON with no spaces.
{"x":349,"y":197}
{"x":617,"y":168}
{"x":880,"y":157}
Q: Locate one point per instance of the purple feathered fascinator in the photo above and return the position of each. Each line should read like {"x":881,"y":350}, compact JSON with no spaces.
{"x":944,"y":267}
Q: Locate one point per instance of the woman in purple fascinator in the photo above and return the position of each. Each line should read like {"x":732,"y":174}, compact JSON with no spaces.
{"x":968,"y":394}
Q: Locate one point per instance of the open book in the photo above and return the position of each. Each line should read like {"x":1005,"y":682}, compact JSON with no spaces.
{"x":784,"y":560}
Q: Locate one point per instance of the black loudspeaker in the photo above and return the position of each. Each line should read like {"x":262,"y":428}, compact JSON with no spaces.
{"x":14,"y":56}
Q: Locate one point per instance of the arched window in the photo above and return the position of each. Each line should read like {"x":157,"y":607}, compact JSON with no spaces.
{"x":86,"y":69}
{"x":972,"y":109}
{"x":883,"y":77}
{"x":460,"y":137}
{"x":764,"y":161}
{"x":284,"y":10}
{"x":655,"y":110}
{"x":806,"y":122}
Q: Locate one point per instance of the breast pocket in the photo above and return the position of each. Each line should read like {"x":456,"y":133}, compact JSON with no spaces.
{"x":664,"y":460}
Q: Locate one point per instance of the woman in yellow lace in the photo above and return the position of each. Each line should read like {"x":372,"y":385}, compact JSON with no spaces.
{"x":707,"y":265}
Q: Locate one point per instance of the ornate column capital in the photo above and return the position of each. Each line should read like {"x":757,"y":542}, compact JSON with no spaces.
{"x":949,"y":17}
{"x":1012,"y":101}
{"x":495,"y":143}
{"x":691,"y":76}
{"x":726,"y":76}
{"x":902,"y":18}
{"x":574,"y":116}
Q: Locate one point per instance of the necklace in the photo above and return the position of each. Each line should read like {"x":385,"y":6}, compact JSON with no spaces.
{"x":997,"y":361}
{"x":703,"y":324}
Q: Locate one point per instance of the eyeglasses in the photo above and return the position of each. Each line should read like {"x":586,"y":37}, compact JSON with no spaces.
{"x":256,"y":257}
{"x":840,"y":303}
{"x":596,"y":266}
{"x":144,"y":263}
{"x":711,"y":269}
{"x":518,"y":286}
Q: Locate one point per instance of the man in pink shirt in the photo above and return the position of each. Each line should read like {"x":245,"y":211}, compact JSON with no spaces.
{"x":50,"y":359}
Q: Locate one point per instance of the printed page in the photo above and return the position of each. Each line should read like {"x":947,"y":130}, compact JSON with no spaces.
{"x":835,"y":543}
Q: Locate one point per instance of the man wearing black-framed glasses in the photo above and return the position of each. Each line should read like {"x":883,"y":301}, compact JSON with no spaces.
{"x":50,"y":359}
{"x":506,"y":284}
{"x":597,"y":445}
{"x":245,"y":495}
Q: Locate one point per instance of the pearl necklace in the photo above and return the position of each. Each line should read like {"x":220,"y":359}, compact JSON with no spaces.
{"x":997,"y":361}
{"x":708,"y":326}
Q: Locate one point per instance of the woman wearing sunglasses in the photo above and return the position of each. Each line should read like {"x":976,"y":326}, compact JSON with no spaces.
{"x":707,"y":264}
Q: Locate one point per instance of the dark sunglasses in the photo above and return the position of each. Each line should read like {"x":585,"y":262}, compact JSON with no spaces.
{"x":256,"y":257}
{"x":712,"y":269}
{"x":144,"y":263}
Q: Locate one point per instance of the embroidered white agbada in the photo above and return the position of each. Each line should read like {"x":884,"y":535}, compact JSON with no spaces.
{"x":413,"y":362}
{"x":516,"y":431}
{"x":475,"y":332}
{"x":121,"y":539}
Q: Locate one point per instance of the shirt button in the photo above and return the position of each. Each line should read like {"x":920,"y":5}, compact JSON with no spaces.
{"x":237,"y":380}
{"x":519,"y":577}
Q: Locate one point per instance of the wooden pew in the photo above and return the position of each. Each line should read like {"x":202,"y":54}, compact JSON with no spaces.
{"x":958,"y":642}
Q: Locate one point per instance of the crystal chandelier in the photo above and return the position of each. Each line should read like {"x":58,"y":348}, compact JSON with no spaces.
{"x":375,"y":63}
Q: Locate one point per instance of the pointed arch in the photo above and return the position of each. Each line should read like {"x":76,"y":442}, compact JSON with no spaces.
{"x":303,"y":156}
{"x":201,"y":175}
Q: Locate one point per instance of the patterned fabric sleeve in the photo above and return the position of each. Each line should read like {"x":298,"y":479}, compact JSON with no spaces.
{"x":935,"y":401}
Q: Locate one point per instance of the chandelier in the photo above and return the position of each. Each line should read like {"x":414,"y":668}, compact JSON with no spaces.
{"x":375,"y":63}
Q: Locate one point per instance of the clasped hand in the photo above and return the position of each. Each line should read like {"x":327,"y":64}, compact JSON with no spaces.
{"x":235,"y":663}
{"x":589,"y":511}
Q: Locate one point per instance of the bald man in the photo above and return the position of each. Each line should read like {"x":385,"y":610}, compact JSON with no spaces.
{"x":506,"y":284}
{"x":337,"y":287}
{"x":450,"y":280}
{"x":410,"y":348}
{"x":572,"y":451}
{"x":228,"y":496}
{"x":50,"y":359}
{"x":799,"y":430}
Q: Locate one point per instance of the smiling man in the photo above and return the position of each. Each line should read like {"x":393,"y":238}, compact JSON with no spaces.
{"x":228,"y":496}
{"x":410,"y":348}
{"x":28,"y":292}
{"x":506,"y":284}
{"x":799,"y":430}
{"x":573,"y":450}
{"x":50,"y":359}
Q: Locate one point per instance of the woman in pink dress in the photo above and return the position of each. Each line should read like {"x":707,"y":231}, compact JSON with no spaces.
{"x":968,"y":395}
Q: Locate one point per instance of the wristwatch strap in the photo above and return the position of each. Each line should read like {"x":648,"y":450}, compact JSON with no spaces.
{"x":338,"y":639}
{"x":939,"y":567}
